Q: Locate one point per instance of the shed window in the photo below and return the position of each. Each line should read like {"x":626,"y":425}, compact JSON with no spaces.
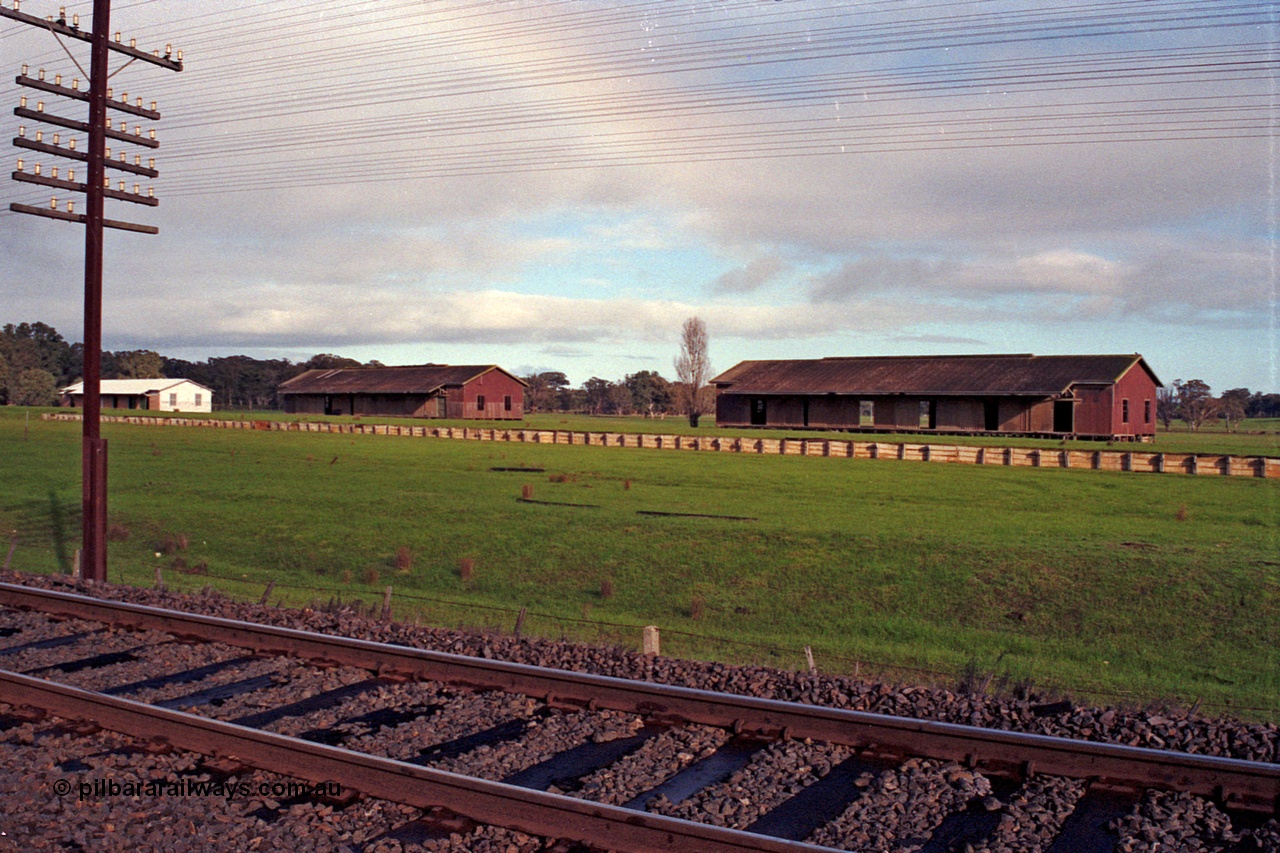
{"x":480,"y":402}
{"x":199,"y":399}
{"x":1146,"y":411}
{"x":1124,"y":411}
{"x":173,"y":399}
{"x":506,"y":403}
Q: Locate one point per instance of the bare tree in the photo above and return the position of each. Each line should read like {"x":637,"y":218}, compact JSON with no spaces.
{"x":1166,"y":405}
{"x":693,"y":368}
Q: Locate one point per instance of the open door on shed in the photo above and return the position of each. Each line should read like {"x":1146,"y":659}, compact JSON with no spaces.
{"x":759,"y":412}
{"x":991,"y":415}
{"x":1064,"y":416}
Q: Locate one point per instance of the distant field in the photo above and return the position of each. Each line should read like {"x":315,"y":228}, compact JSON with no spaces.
{"x":1255,"y":437}
{"x":1146,"y":587}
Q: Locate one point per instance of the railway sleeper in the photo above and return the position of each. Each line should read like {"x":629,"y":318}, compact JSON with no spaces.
{"x":1087,"y":828}
{"x":731,"y":757}
{"x":342,"y":730}
{"x":818,"y":804}
{"x":51,"y":643}
{"x":973,"y":825}
{"x":186,"y":676}
{"x":563,"y":770}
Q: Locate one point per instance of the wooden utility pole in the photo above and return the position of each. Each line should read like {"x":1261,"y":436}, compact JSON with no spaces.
{"x":96,"y":190}
{"x":94,"y":448}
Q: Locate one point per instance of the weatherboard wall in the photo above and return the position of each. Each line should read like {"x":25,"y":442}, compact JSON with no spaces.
{"x":492,"y":396}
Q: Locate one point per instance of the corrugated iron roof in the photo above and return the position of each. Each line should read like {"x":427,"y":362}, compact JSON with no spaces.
{"x":1017,"y":375}
{"x":412,"y":379}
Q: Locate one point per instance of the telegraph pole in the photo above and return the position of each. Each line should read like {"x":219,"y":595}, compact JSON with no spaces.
{"x":97,"y":190}
{"x":93,"y":563}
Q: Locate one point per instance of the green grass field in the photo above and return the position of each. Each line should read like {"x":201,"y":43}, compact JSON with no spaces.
{"x":1125,"y":587}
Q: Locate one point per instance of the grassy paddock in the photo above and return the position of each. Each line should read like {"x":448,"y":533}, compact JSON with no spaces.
{"x":1151,"y":588}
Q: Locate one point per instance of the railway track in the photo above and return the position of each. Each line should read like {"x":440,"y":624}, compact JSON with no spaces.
{"x":606,"y":762}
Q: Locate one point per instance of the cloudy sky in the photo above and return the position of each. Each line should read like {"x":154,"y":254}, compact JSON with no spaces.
{"x":558,"y":185}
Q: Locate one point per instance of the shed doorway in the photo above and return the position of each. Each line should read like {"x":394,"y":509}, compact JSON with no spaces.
{"x":928,"y":414}
{"x":991,"y":415}
{"x":759,"y":412}
{"x":1064,"y":416}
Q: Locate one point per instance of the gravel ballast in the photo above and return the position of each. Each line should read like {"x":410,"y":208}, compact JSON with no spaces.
{"x":897,"y":810}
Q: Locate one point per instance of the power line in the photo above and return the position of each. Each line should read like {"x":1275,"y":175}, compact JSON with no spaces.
{"x":491,"y":88}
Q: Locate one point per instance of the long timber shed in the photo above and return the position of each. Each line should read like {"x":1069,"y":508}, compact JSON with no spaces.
{"x":420,"y":391}
{"x":1090,"y":396}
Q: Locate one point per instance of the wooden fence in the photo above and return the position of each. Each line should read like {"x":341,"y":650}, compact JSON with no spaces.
{"x":1024,"y":457}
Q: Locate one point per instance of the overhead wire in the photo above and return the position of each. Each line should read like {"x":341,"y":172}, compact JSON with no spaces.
{"x":735,"y":85}
{"x":591,"y":62}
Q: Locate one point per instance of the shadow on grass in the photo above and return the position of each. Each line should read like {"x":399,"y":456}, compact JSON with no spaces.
{"x":58,"y":527}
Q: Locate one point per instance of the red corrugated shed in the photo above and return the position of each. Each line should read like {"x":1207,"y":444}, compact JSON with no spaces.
{"x":1025,"y":393}
{"x":427,"y":390}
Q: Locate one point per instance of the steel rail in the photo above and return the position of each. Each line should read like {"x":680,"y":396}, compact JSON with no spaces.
{"x":492,"y":803}
{"x":1234,"y":783}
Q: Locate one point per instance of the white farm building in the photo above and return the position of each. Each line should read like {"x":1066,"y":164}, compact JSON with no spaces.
{"x":157,"y":395}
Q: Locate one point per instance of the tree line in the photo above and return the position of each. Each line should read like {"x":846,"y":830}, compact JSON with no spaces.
{"x":36,"y":361}
{"x":1194,"y":403}
{"x":644,"y":393}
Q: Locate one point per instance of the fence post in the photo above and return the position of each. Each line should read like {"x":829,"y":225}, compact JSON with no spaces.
{"x":524,"y":611}
{"x":13,"y":546}
{"x":266,"y":593}
{"x":159,"y":579}
{"x":75,"y":564}
{"x":386,"y":606}
{"x":808,"y":657}
{"x":650,"y":640}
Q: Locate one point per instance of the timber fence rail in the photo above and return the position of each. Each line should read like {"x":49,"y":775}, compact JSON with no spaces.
{"x":1018,"y":457}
